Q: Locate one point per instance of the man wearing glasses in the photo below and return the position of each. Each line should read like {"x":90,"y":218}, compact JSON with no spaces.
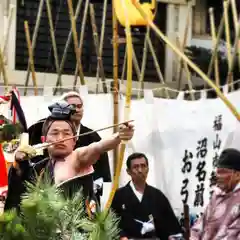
{"x":101,"y":168}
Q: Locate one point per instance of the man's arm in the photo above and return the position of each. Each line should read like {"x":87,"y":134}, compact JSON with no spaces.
{"x":89,"y":155}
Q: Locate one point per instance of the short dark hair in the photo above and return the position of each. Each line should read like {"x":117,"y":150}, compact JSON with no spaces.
{"x":135,"y":156}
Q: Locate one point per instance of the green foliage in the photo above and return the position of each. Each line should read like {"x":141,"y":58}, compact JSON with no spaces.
{"x":9,"y":131}
{"x":47,"y":215}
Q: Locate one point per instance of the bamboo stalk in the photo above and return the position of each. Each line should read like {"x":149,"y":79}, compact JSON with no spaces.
{"x":64,"y":56}
{"x":101,"y":40}
{"x":227,"y":32}
{"x":4,"y":72}
{"x":75,"y":40}
{"x":34,"y":39}
{"x":8,"y":30}
{"x":144,"y":63}
{"x":127,"y":106}
{"x":215,"y":49}
{"x":235,"y":21}
{"x":189,"y":62}
{"x":188,"y":74}
{"x":96,"y":43}
{"x":136,"y":65}
{"x":158,"y":69}
{"x":81,"y":41}
{"x":55,"y":52}
{"x":214,"y":38}
{"x":182,"y":46}
{"x":30,"y":53}
{"x":124,"y":67}
{"x":116,"y":85}
{"x":234,"y":54}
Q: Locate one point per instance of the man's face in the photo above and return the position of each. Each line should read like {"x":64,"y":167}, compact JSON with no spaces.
{"x":227,"y":179}
{"x":78,"y":104}
{"x":138,"y":170}
{"x":58,"y":131}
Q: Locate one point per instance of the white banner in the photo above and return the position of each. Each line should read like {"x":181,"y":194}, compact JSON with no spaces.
{"x":181,"y":139}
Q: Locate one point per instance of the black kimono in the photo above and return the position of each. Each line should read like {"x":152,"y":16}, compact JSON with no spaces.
{"x":153,"y":205}
{"x":30,"y":172}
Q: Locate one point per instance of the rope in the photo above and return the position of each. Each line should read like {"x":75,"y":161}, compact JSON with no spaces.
{"x":138,"y":89}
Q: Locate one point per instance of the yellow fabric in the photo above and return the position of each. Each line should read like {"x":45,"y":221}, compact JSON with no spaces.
{"x":135,"y":18}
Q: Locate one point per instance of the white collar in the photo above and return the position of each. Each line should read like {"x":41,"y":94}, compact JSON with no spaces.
{"x":79,"y":129}
{"x":138,"y":194}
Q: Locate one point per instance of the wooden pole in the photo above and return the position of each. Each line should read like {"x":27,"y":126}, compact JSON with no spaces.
{"x":144,"y":63}
{"x":214,"y":38}
{"x":4,"y":72}
{"x":235,"y":21}
{"x":96,"y":43}
{"x":75,"y":40}
{"x":34,"y":39}
{"x":105,"y":4}
{"x":186,"y":222}
{"x":81,"y":40}
{"x":64,"y":56}
{"x":157,"y":66}
{"x":228,"y":43}
{"x":115,"y":81}
{"x":53,"y":39}
{"x":188,"y":74}
{"x":234,"y":54}
{"x":31,"y":59}
{"x":215,"y":49}
{"x":182,"y":46}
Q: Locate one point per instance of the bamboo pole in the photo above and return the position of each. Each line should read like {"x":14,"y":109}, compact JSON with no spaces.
{"x":144,"y":63}
{"x":189,"y":62}
{"x":214,"y":39}
{"x":96,"y":43}
{"x":234,"y":53}
{"x":4,"y":72}
{"x":6,"y":37}
{"x":215,"y":49}
{"x":182,"y":46}
{"x":124,"y":66}
{"x":53,"y":39}
{"x":30,"y":53}
{"x":227,"y":31}
{"x":228,"y":43}
{"x":158,"y":69}
{"x":127,"y":107}
{"x":81,"y":41}
{"x":136,"y":65}
{"x":101,"y":40}
{"x":188,"y":74}
{"x":116,"y":85}
{"x":34,"y":39}
{"x":235,"y":21}
{"x":75,"y":40}
{"x":64,"y":56}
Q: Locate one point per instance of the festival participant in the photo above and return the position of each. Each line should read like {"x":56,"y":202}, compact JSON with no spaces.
{"x":101,"y":167}
{"x":63,"y":162}
{"x":144,"y":211}
{"x":221,"y":219}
